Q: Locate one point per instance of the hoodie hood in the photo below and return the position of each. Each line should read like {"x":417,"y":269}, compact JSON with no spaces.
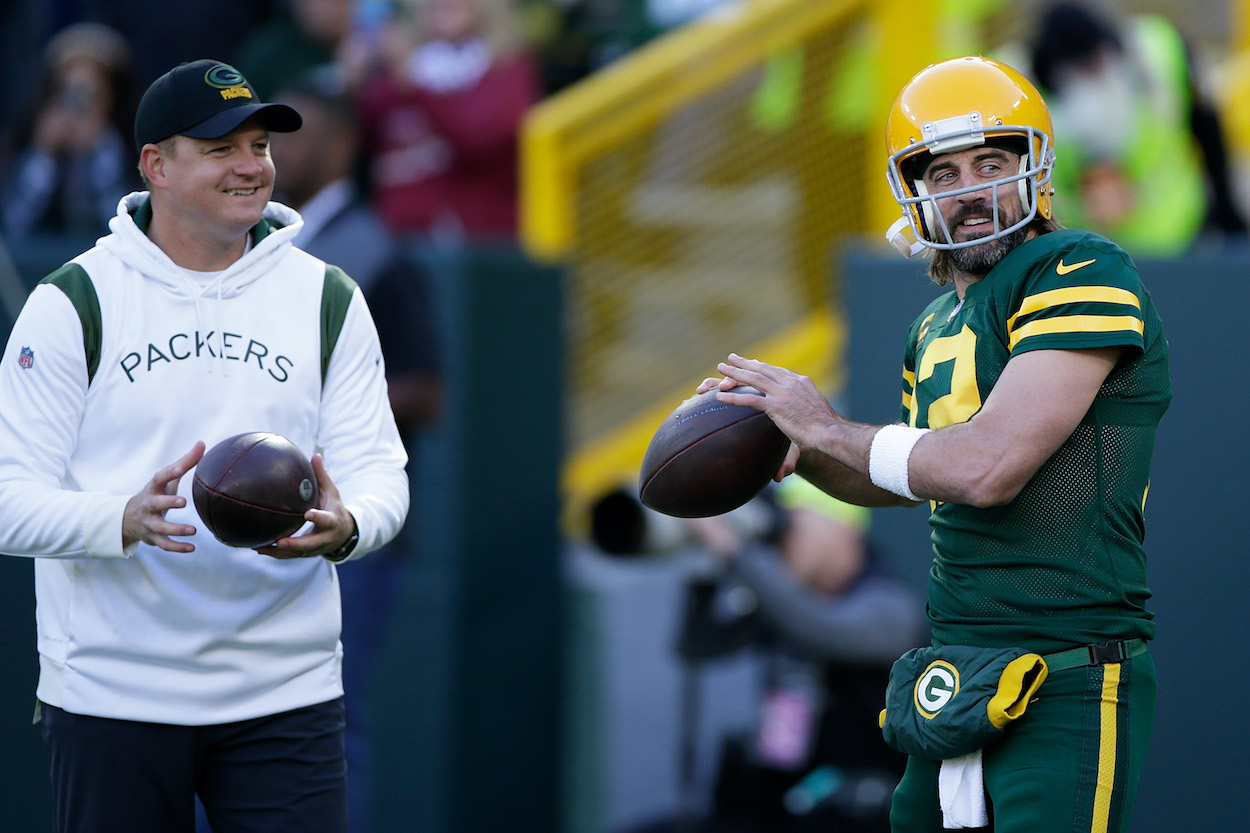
{"x":271,"y":238}
{"x":129,"y":243}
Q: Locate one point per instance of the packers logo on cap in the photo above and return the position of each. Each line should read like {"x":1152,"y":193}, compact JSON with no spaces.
{"x":229,"y":81}
{"x":936,"y":687}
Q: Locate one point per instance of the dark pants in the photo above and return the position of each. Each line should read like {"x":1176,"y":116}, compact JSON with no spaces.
{"x":284,"y":772}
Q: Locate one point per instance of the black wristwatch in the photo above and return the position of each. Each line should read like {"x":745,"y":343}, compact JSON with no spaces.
{"x":342,"y":552}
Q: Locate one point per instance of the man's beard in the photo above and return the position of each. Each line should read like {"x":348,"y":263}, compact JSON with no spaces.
{"x":979,"y":260}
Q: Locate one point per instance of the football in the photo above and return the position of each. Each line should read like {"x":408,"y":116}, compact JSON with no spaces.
{"x":252,"y":489}
{"x":709,"y":457}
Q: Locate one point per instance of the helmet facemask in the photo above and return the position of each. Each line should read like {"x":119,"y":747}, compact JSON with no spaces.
{"x":922,"y":219}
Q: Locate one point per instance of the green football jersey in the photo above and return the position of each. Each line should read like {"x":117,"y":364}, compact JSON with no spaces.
{"x":1063,"y":562}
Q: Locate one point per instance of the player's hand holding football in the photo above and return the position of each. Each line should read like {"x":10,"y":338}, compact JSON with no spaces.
{"x":790,"y":400}
{"x":727,"y":384}
{"x":332,"y":523}
{"x":144,"y":518}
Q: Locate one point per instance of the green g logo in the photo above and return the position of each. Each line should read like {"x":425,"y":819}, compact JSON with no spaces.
{"x":222,"y":76}
{"x":936,"y":687}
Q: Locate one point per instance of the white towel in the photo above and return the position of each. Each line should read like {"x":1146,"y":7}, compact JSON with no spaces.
{"x":961,"y":792}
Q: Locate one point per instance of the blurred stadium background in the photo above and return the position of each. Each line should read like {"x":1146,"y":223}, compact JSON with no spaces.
{"x":720,"y":188}
{"x":696,"y":192}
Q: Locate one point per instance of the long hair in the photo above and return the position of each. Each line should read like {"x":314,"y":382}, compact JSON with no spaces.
{"x":942,"y":265}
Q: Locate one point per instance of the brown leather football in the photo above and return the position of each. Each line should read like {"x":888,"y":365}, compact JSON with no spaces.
{"x":709,"y":457}
{"x":252,"y":489}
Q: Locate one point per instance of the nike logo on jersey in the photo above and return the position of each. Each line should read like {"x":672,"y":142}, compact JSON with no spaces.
{"x":1064,"y":269}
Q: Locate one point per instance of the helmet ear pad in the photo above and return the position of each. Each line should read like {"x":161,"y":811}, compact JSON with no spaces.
{"x":1022,"y":185}
{"x":926,"y":215}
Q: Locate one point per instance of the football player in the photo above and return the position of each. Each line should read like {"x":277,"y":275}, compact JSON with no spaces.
{"x":1031,"y":394}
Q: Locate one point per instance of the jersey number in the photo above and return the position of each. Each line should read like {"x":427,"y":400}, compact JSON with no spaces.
{"x":963,"y":399}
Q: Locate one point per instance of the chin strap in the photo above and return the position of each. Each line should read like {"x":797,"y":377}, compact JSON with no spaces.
{"x":903,"y":238}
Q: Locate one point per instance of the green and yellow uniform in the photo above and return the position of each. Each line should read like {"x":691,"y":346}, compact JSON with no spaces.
{"x":1062,"y":564}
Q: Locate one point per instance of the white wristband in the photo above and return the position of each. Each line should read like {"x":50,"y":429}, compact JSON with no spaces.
{"x":888,"y":455}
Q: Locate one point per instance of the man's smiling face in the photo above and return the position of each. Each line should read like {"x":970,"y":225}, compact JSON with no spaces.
{"x":970,"y":215}
{"x":223,"y":184}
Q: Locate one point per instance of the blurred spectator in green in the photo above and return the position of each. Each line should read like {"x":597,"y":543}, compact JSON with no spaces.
{"x":574,"y":38}
{"x":1143,"y":159}
{"x":307,"y":35}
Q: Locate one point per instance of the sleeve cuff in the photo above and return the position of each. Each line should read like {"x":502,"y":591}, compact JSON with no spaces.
{"x":102,"y":528}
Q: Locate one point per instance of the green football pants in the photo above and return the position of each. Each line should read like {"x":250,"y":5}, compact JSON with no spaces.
{"x":1071,"y":763}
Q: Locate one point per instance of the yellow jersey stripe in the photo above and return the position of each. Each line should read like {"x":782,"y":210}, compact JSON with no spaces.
{"x":1077,"y":324}
{"x":1074,"y":295}
{"x":1106,"y":748}
{"x":909,"y":393}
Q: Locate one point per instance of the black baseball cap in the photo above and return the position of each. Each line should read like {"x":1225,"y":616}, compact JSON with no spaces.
{"x":204,"y":99}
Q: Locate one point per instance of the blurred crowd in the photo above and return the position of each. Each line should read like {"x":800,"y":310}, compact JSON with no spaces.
{"x":440,"y":87}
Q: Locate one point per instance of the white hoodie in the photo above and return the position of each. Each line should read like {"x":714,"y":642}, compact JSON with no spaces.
{"x":219,"y":634}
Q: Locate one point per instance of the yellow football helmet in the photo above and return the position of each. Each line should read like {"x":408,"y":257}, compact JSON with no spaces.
{"x":951,"y":106}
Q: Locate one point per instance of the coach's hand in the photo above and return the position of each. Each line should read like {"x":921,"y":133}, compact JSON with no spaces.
{"x":332,"y":523}
{"x":144,"y":518}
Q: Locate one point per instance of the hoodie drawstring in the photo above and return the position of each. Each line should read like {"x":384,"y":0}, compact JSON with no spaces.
{"x":221,"y":336}
{"x":195,"y":291}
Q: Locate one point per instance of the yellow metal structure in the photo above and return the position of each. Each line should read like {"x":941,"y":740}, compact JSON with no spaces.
{"x":695,"y":193}
{"x":1233,"y":91}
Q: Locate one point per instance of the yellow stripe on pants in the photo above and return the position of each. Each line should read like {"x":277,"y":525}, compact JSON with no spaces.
{"x":1106,"y":747}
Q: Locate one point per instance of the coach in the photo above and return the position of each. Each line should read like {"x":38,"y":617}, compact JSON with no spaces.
{"x":171,"y":664}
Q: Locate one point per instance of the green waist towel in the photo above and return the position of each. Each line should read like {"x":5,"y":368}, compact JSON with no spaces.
{"x":946,"y":702}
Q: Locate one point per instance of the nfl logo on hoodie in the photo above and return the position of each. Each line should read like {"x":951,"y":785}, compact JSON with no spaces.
{"x":26,"y":358}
